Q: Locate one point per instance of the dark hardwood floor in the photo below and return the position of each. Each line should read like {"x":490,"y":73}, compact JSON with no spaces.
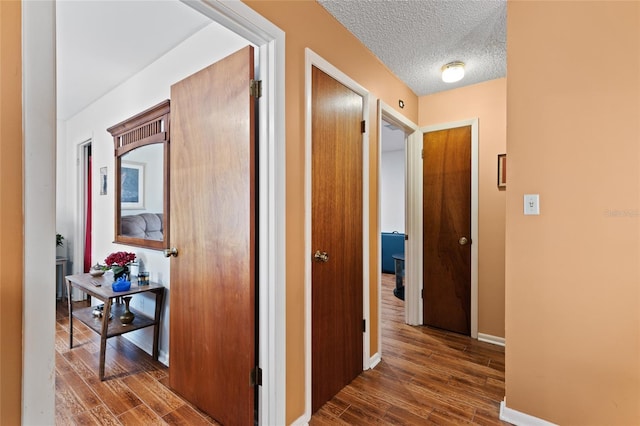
{"x":426,"y":376}
{"x":135,"y":390}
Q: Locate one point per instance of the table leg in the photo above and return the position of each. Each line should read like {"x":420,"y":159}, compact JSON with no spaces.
{"x":63,"y":266}
{"x":70,"y":309}
{"x":106,"y":312}
{"x":156,"y":326}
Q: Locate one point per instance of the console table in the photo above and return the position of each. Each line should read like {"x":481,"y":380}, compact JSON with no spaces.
{"x":100,"y":288}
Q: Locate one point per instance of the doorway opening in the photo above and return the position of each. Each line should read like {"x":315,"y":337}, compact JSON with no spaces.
{"x":269,"y":39}
{"x":83,"y":235}
{"x":413,"y":272}
{"x":392,"y":202}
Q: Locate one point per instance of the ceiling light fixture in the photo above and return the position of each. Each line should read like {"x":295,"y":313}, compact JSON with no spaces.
{"x":452,"y":72}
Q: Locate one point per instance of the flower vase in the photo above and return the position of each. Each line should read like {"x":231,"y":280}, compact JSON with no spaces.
{"x":122,"y":271}
{"x":127,"y":316}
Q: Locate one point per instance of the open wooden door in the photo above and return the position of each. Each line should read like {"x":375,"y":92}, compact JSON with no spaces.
{"x":213,"y":210}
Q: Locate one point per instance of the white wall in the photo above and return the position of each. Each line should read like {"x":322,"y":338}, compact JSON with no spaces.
{"x":392,"y":181}
{"x":147,"y":88}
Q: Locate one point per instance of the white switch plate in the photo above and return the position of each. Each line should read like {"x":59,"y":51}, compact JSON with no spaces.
{"x":531,"y":204}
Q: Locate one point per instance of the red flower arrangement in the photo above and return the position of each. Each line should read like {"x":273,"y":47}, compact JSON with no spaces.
{"x":119,"y":262}
{"x":120,"y":258}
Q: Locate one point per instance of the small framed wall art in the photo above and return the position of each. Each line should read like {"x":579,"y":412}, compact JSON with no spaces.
{"x":502,"y":170}
{"x":103,"y":181}
{"x":132,"y":183}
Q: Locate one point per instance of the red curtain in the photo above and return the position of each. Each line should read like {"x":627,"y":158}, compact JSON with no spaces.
{"x":87,"y":233}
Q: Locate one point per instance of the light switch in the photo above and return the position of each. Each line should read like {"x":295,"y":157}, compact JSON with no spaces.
{"x":531,"y":204}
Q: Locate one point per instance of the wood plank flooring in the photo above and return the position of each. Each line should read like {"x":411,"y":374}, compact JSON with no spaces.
{"x":135,"y":390}
{"x":426,"y":377}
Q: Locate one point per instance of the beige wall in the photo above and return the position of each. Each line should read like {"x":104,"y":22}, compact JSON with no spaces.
{"x":11,"y":237}
{"x":487,"y":102}
{"x":572,"y":274}
{"x":307,"y":24}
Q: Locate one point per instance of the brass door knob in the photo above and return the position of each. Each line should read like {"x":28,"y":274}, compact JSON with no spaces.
{"x":170,"y":252}
{"x":463,"y":241}
{"x":321,"y":256}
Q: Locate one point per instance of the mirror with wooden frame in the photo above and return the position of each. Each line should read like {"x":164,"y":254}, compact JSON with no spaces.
{"x":142,"y":178}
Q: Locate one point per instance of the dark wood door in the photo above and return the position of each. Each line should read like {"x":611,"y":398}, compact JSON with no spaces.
{"x":212,"y":294}
{"x":447,"y":229}
{"x":336,"y":222}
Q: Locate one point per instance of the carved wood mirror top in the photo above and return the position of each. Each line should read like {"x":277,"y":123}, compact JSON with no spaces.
{"x":142,"y":178}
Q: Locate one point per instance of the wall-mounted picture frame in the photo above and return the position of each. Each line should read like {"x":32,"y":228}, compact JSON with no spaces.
{"x":132,"y":186}
{"x":502,"y":170}
{"x":103,"y":181}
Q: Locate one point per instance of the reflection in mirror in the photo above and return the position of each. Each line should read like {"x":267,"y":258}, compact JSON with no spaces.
{"x":141,"y":192}
{"x":142,"y":167}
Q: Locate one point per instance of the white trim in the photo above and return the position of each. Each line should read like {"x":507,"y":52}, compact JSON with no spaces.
{"x":39,"y":212}
{"x":81,"y":212}
{"x":391,"y":115}
{"x":413,"y":269}
{"x":241,"y":19}
{"x":474,"y":212}
{"x":375,"y":360}
{"x":520,"y":419}
{"x":494,"y":340}
{"x":301,"y":421}
{"x":81,"y":187}
{"x":313,"y":59}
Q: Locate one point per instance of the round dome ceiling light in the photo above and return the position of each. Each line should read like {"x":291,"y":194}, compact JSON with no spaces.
{"x":452,"y":72}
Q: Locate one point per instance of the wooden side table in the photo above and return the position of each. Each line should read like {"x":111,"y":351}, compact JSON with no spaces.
{"x":100,"y":288}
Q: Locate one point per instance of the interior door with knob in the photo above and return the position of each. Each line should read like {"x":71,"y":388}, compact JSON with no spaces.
{"x":213,"y":211}
{"x":336,"y":237}
{"x":447,"y":229}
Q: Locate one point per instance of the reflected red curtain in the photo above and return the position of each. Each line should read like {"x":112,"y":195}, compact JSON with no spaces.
{"x":87,"y":233}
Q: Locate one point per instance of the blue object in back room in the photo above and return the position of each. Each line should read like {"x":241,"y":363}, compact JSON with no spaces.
{"x":392,"y":243}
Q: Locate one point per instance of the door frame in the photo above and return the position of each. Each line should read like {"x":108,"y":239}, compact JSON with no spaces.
{"x":415,"y":305}
{"x":313,"y":59}
{"x":81,"y":208}
{"x":412,"y":228}
{"x":270,"y":159}
{"x":270,"y":40}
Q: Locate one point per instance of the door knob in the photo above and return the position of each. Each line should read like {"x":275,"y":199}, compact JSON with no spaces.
{"x":170,"y":252}
{"x":321,"y":256}
{"x":463,"y":241}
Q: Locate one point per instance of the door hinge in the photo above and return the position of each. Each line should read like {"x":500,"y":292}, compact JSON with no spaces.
{"x":363,"y":126}
{"x":422,"y":293}
{"x":422,"y":154}
{"x":256,"y":88}
{"x":256,"y":376}
{"x":406,"y":237}
{"x":364,"y":325}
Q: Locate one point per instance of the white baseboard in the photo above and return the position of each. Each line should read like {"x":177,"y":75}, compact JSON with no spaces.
{"x":163,"y":357}
{"x":145,"y":345}
{"x":495,"y":340}
{"x":520,"y":419}
{"x":301,"y":421}
{"x":375,"y":360}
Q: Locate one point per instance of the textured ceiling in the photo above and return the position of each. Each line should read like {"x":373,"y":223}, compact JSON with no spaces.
{"x":415,"y":38}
